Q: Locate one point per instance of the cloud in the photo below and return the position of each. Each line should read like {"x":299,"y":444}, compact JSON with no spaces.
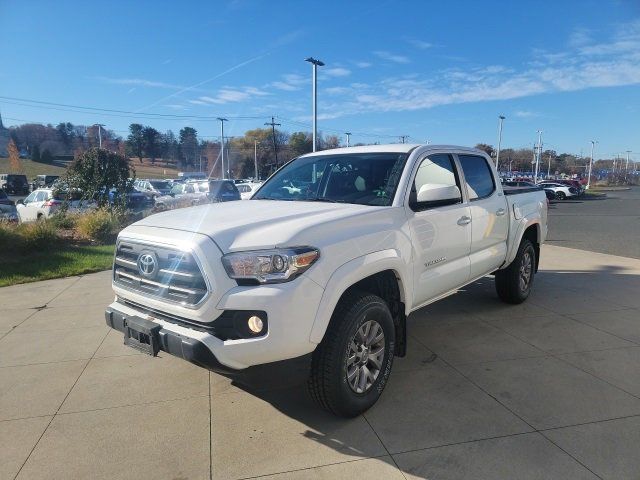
{"x":230,"y":95}
{"x":140,"y":82}
{"x":384,"y":55}
{"x":175,"y":106}
{"x":284,"y":86}
{"x":526,"y":114}
{"x":363,"y":64}
{"x":336,"y":90}
{"x":336,"y":72}
{"x":421,"y":44}
{"x":588,"y":64}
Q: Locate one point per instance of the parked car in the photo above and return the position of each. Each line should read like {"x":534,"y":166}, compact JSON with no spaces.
{"x":135,"y":200}
{"x":247,"y":189}
{"x":561,"y":191}
{"x":44,"y":202}
{"x":8,"y":210}
{"x":579,"y":187}
{"x":519,"y":183}
{"x":185,"y":194}
{"x":14,"y":184}
{"x":328,"y":272}
{"x":153,"y":188}
{"x":43,"y":181}
{"x":223,"y":191}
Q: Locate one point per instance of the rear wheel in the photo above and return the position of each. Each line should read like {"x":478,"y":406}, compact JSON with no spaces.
{"x":514,"y":283}
{"x":350,"y":367}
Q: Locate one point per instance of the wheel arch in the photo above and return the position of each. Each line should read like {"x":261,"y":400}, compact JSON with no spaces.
{"x":381,"y":273}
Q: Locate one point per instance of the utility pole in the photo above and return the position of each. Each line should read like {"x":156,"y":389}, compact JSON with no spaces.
{"x":593,"y":143}
{"x":549,"y":166}
{"x":403,"y":137}
{"x":535,"y":177}
{"x":348,"y":134}
{"x":314,"y":93}
{"x":273,"y":132}
{"x":627,"y":165}
{"x":99,"y":125}
{"x":222,"y":120}
{"x":501,"y":118}
{"x":255,"y":158}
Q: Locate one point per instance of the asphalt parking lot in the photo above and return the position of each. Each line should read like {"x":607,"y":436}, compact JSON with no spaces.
{"x":608,"y":224}
{"x":547,"y":389}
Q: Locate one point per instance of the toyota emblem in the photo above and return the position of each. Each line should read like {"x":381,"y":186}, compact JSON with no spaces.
{"x":147,"y":265}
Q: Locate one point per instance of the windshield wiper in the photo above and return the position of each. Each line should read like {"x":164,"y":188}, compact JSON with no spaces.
{"x":322,"y":199}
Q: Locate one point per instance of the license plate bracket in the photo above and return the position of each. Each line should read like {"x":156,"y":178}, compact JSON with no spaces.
{"x":142,"y":335}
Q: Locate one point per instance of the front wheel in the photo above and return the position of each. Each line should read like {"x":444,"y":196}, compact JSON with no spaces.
{"x":350,"y":367}
{"x":513,"y":284}
{"x":561,"y":196}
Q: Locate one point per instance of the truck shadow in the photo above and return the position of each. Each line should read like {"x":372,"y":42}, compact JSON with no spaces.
{"x":429,"y":408}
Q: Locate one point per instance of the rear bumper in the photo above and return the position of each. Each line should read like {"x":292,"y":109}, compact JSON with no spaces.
{"x":187,"y":348}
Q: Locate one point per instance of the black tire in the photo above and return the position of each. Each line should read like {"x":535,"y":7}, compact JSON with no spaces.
{"x":510,"y":282}
{"x":561,"y":196}
{"x":331,"y":363}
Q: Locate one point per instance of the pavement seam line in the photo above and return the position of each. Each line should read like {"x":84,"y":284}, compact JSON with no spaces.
{"x":567,"y":453}
{"x":384,"y":446}
{"x":61,"y":403}
{"x":601,"y":330}
{"x":210,"y":432}
{"x":311,"y":468}
{"x":510,"y":410}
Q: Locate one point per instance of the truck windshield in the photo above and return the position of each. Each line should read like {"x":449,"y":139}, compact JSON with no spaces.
{"x":360,"y":178}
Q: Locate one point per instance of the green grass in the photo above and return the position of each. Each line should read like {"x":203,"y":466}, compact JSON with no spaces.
{"x":31,"y":168}
{"x":55,"y":263}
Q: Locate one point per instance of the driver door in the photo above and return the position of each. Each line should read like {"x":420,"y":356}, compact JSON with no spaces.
{"x":440,"y":233}
{"x":28,"y":210}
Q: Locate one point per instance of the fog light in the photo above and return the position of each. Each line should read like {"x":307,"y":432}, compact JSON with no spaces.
{"x":255,"y":324}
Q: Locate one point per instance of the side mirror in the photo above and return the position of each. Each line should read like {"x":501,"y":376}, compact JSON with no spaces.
{"x":20,"y":202}
{"x":437,"y":194}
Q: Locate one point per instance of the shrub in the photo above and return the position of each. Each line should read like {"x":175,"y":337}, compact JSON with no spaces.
{"x":9,"y":239}
{"x":35,"y":236}
{"x":64,"y":220}
{"x":98,"y":225}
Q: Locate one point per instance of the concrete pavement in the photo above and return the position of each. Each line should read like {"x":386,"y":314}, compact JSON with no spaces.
{"x":547,"y":389}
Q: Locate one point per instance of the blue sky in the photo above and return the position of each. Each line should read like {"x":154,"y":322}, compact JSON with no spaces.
{"x":437,"y":71}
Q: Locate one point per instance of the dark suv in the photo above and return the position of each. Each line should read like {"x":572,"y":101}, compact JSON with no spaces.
{"x":14,"y":184}
{"x":222,"y":191}
{"x":44,"y":181}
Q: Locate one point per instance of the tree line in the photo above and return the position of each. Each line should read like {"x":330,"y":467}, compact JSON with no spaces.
{"x":262,"y":146}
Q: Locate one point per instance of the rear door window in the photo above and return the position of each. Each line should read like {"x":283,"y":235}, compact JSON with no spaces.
{"x":478,"y":176}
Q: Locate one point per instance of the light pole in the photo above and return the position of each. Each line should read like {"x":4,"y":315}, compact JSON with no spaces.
{"x":627,"y":165}
{"x":348,"y":134}
{"x":314,"y":93}
{"x":535,"y":175}
{"x":222,"y":120}
{"x":593,"y":143}
{"x":501,"y":118}
{"x":255,"y":158}
{"x":99,"y":125}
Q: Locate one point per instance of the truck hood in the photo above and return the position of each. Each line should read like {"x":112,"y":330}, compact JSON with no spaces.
{"x":256,"y":224}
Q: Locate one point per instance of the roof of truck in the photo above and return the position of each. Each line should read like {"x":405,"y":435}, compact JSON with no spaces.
{"x":389,"y":148}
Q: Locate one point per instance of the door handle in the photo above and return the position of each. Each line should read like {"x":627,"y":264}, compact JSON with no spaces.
{"x":464,"y":221}
{"x":500,"y":212}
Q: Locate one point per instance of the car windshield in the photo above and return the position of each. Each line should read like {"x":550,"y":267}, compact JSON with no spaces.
{"x":359,"y":178}
{"x":161,"y":185}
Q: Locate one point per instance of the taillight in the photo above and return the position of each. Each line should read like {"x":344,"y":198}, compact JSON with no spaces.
{"x":52,"y":203}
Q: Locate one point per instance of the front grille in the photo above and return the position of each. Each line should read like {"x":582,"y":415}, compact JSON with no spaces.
{"x":171,"y":275}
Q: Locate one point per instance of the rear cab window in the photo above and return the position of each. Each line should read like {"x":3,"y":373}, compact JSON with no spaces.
{"x":478,"y":176}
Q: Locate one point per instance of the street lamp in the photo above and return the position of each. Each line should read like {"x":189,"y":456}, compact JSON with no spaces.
{"x":348,"y":134}
{"x":99,"y":125}
{"x":593,"y":143}
{"x":501,"y":118}
{"x":316,"y":64}
{"x":222,"y":120}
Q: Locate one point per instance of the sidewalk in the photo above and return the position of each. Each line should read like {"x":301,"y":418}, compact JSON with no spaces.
{"x":546,"y":389}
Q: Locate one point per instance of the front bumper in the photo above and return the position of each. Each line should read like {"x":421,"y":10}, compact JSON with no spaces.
{"x":190,"y":349}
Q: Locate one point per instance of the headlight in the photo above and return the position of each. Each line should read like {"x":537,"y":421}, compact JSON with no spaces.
{"x":270,"y":266}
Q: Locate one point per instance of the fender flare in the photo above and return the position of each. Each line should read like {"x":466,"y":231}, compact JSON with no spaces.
{"x":522,"y":227}
{"x":351,"y":273}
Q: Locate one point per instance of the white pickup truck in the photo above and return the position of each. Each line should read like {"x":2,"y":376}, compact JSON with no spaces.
{"x":325,"y":262}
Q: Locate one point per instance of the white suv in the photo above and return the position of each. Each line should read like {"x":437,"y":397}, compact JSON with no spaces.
{"x":43,"y":202}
